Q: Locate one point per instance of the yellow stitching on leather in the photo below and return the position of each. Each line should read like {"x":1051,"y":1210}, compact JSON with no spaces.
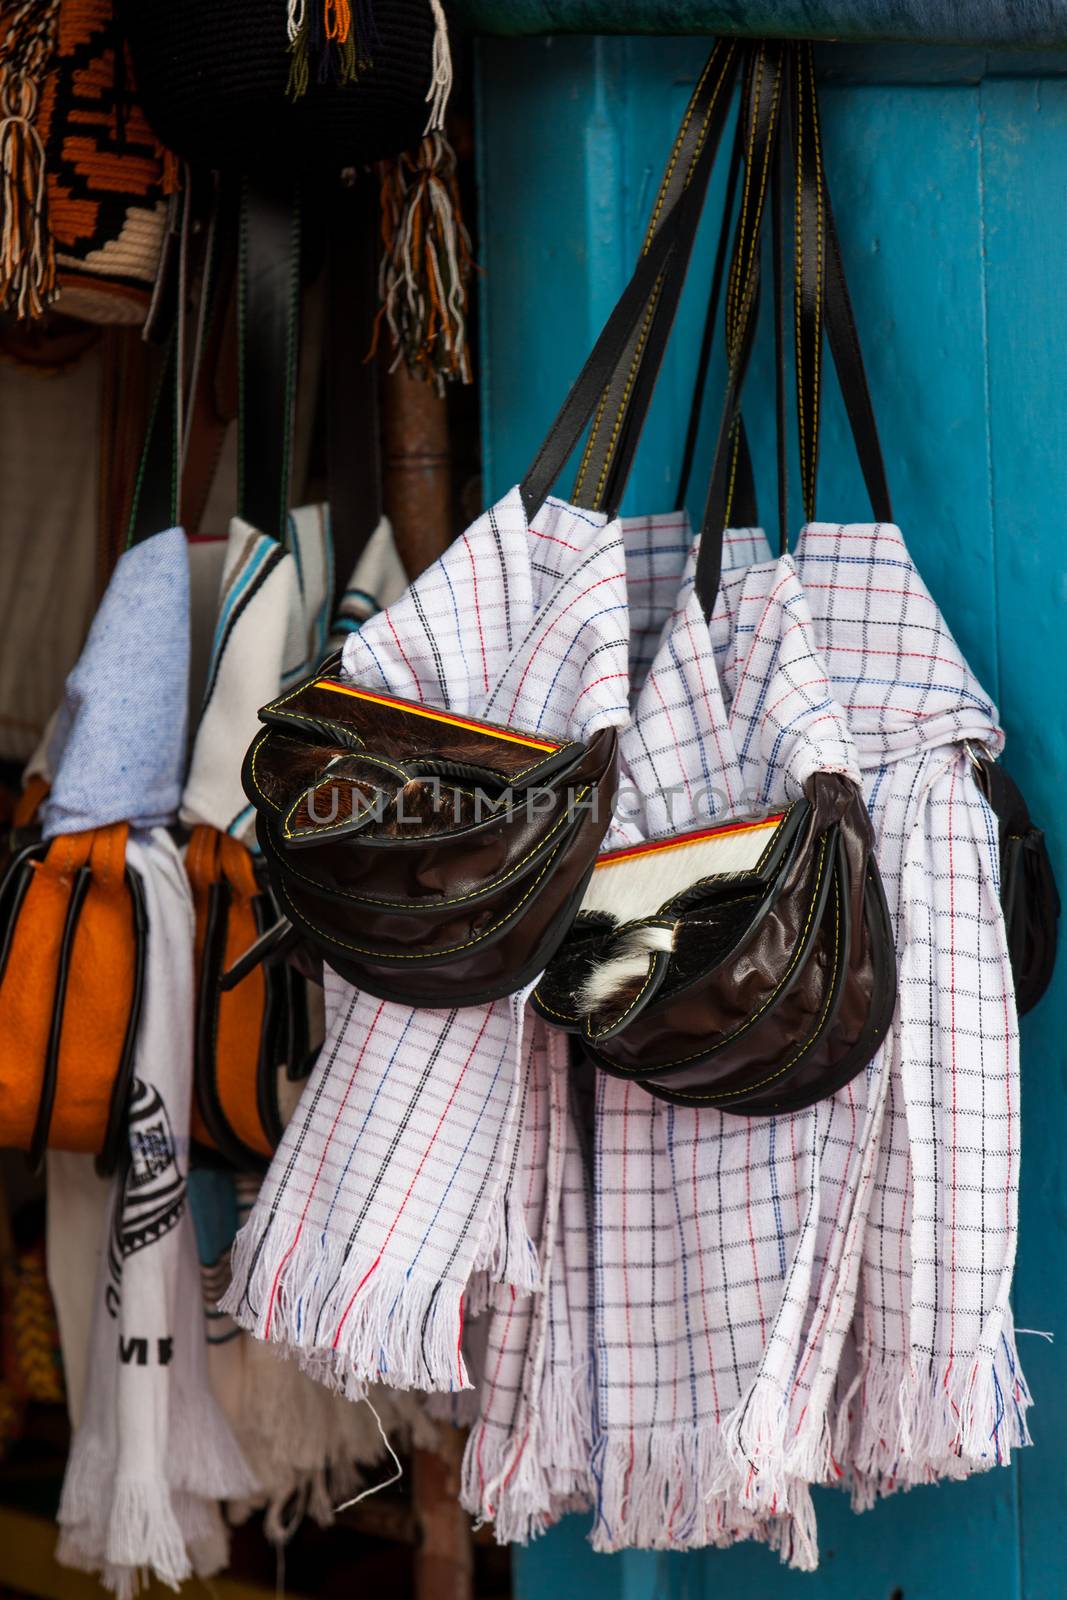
{"x":657,"y":290}
{"x":761,"y":197}
{"x":660,"y":200}
{"x":735,"y":331}
{"x":572,"y":744}
{"x":728,"y":507}
{"x":798,"y":275}
{"x":735,"y":263}
{"x":664,"y":188}
{"x":654,"y":298}
{"x":770,"y":842}
{"x":320,"y":722}
{"x":742,"y":1027}
{"x":642,"y":339}
{"x":425,"y":955}
{"x":255,"y":776}
{"x":562,"y":1015}
{"x":819,"y":260}
{"x":731,"y":292}
{"x":812,"y":1039}
{"x":456,"y":900}
{"x":275,"y":705}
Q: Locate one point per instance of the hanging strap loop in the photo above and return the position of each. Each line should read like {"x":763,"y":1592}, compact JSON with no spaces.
{"x":617,"y":379}
{"x":761,"y":131}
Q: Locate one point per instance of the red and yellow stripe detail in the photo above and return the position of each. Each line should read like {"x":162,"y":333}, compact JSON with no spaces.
{"x":636,"y":852}
{"x":468,"y":724}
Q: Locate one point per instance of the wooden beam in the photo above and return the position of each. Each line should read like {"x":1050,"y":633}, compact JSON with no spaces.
{"x":416,"y":476}
{"x":1024,"y":24}
{"x":444,"y":1556}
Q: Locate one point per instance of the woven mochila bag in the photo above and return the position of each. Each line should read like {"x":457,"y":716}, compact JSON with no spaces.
{"x":265,"y":85}
{"x":85,"y":206}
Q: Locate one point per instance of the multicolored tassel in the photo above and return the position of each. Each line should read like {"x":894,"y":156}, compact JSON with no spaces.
{"x":27,"y":254}
{"x":327,"y":39}
{"x":426,"y":263}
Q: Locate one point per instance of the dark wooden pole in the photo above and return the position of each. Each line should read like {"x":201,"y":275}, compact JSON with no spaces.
{"x":416,"y":472}
{"x":444,"y":1555}
{"x":417,"y":491}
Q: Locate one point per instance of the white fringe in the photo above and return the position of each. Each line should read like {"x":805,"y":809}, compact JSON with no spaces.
{"x":951,"y":1420}
{"x":677,"y":1491}
{"x":120,"y":1527}
{"x":523,"y":1480}
{"x":206,"y":1536}
{"x":349,"y":1318}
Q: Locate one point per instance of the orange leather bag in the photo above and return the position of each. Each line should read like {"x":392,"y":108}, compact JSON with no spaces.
{"x":247,"y":1033}
{"x":72,"y":944}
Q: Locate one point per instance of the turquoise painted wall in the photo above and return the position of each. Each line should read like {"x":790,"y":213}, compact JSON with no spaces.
{"x":949,"y":171}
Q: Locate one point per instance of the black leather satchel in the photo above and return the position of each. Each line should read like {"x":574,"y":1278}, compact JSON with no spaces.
{"x":429,"y":858}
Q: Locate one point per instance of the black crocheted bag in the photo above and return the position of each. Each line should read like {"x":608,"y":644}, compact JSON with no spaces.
{"x":222,"y":85}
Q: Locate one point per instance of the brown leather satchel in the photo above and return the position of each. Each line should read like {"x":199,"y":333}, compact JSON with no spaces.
{"x":747,"y":966}
{"x":427,"y":857}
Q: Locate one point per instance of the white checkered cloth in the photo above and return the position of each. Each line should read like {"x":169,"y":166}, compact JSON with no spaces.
{"x":505,"y":1463}
{"x":708,"y":1226}
{"x":938,"y":1391}
{"x":387,"y":1191}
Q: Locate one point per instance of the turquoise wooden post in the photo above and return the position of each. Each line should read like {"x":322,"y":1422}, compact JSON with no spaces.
{"x":949,"y":170}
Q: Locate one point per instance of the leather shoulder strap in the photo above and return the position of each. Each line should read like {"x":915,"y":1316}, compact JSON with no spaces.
{"x":616,"y":382}
{"x":612,"y":440}
{"x":267,"y":331}
{"x":762,"y":122}
{"x":822,"y":299}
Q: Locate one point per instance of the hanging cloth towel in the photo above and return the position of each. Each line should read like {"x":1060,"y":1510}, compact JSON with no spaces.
{"x":528,"y":1456}
{"x":361,"y":1264}
{"x":939,"y":1391}
{"x":692,"y":1445}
